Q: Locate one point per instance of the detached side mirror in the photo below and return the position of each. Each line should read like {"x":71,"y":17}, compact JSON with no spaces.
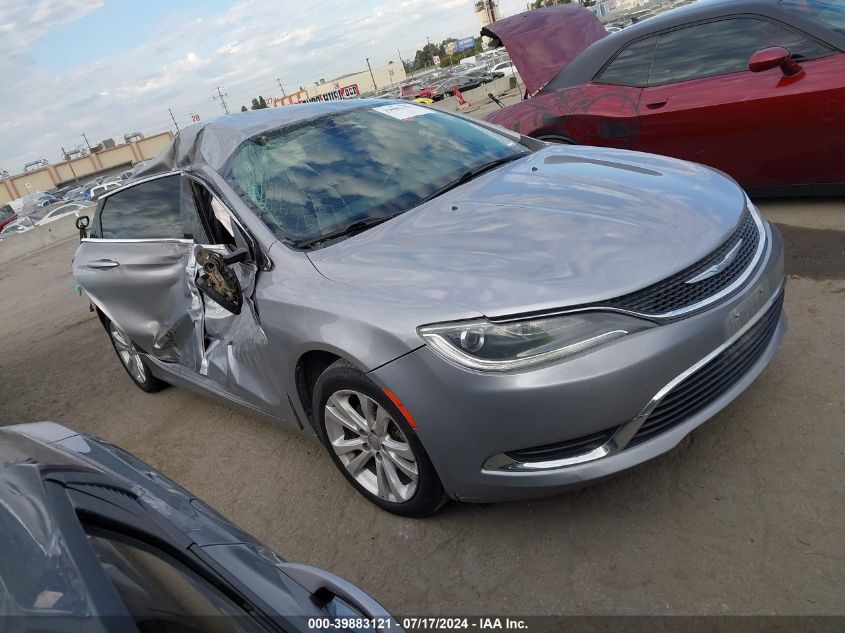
{"x":769,"y":58}
{"x":218,"y":281}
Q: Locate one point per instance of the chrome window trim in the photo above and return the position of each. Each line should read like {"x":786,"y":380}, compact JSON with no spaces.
{"x":623,"y":435}
{"x":763,"y":248}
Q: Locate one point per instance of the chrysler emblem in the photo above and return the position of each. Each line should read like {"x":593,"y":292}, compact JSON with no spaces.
{"x":715,"y":269}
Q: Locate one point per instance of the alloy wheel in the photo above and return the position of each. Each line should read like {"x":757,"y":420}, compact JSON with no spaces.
{"x":128,"y":353}
{"x":371,"y":446}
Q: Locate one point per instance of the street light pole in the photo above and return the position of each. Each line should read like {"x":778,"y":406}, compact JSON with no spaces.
{"x":69,"y":164}
{"x":279,"y":81}
{"x":375,"y":87}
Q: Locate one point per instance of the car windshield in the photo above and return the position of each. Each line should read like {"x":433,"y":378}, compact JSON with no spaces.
{"x":830,"y":13}
{"x":324,"y":175}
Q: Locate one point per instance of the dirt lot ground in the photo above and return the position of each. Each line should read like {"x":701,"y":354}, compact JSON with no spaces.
{"x":745,"y":517}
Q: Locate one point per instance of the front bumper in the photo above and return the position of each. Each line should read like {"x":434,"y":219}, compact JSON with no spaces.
{"x":469,"y":421}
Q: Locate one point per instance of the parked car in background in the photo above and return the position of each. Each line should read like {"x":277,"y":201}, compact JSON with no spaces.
{"x":506,"y":68}
{"x":458,"y":311}
{"x":97,"y":540}
{"x":126,"y":175}
{"x":20,"y":225}
{"x":484,"y":76}
{"x":755,"y":88}
{"x":77,"y":193}
{"x":98,"y":190}
{"x":7,"y":215}
{"x":446,"y":88}
{"x":414,"y":90}
{"x":54,"y":212}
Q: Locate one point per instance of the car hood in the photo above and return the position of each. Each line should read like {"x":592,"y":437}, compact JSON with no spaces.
{"x":563,"y":226}
{"x":541,"y":42}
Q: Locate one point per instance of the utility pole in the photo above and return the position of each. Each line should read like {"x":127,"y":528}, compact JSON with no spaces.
{"x":220,"y":95}
{"x":174,"y":119}
{"x":87,"y":143}
{"x":69,"y":164}
{"x":375,"y":87}
{"x":279,"y":81}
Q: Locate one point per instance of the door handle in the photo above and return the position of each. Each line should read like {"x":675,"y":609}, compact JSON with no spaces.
{"x":657,"y":103}
{"x":103,"y":264}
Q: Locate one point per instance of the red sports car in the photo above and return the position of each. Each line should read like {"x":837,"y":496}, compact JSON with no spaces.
{"x":755,"y":88}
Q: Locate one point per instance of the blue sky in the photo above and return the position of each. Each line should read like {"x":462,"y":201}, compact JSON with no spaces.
{"x":116,"y":26}
{"x":107,"y":67}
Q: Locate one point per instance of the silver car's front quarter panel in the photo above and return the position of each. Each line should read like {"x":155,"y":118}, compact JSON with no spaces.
{"x":468,"y":420}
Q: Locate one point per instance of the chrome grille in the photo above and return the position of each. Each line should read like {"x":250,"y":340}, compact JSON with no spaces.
{"x":674,"y":293}
{"x":713,"y":380}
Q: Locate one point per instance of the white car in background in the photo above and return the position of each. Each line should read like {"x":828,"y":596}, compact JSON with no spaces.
{"x":71,"y":208}
{"x":99,"y":190}
{"x":505,"y":67}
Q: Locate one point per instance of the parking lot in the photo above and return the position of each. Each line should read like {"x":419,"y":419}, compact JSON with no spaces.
{"x":744,"y":517}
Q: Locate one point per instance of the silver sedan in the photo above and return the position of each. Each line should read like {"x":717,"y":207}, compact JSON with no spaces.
{"x":452,"y":309}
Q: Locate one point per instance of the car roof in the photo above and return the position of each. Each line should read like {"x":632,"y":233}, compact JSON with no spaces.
{"x":212,"y":143}
{"x":584,"y":67}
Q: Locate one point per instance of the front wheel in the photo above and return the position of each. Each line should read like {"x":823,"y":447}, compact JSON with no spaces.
{"x":372,"y":444}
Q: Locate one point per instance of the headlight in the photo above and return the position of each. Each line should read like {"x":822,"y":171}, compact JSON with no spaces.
{"x":486,"y":346}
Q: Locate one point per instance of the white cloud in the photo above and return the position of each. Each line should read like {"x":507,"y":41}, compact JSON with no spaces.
{"x":243,"y":49}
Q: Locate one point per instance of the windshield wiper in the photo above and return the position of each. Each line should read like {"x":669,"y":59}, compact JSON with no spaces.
{"x":469,"y":175}
{"x":346,"y":231}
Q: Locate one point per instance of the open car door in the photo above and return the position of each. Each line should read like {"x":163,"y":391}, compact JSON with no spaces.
{"x":136,"y":265}
{"x":171,"y":267}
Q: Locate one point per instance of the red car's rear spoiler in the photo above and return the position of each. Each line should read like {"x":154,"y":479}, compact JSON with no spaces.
{"x":541,"y":42}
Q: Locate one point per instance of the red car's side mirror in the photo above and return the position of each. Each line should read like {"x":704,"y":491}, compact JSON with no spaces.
{"x":773,"y":57}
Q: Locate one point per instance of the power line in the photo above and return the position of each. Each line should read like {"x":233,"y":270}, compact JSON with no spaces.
{"x":220,"y":95}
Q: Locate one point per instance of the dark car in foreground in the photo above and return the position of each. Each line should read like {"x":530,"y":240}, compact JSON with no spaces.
{"x":457,"y":311}
{"x":94,"y":539}
{"x":755,"y":88}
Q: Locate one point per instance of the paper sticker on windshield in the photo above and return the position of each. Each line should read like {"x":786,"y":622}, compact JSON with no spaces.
{"x":402,"y":111}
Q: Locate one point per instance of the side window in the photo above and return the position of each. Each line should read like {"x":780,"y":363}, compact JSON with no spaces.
{"x":161,"y":594}
{"x":724,"y":46}
{"x":149,"y":210}
{"x":632,"y":65}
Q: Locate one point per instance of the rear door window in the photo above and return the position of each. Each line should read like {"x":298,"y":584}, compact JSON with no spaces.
{"x":722,"y":47}
{"x":149,"y":210}
{"x":631,"y":67}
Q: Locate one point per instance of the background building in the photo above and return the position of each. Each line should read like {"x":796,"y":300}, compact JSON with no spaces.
{"x":347,"y":86}
{"x":486,"y":12}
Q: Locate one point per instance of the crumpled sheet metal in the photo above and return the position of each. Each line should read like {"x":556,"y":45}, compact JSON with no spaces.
{"x":236,"y":355}
{"x":212,"y":144}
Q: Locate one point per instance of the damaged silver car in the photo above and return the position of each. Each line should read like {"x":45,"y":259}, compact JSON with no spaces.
{"x":452,"y":309}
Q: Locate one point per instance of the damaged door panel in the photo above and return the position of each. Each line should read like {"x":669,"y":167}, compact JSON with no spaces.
{"x":138,"y":268}
{"x":235,"y":351}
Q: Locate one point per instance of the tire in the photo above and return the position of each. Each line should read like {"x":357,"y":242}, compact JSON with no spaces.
{"x":372,"y":444}
{"x":132,"y":360}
